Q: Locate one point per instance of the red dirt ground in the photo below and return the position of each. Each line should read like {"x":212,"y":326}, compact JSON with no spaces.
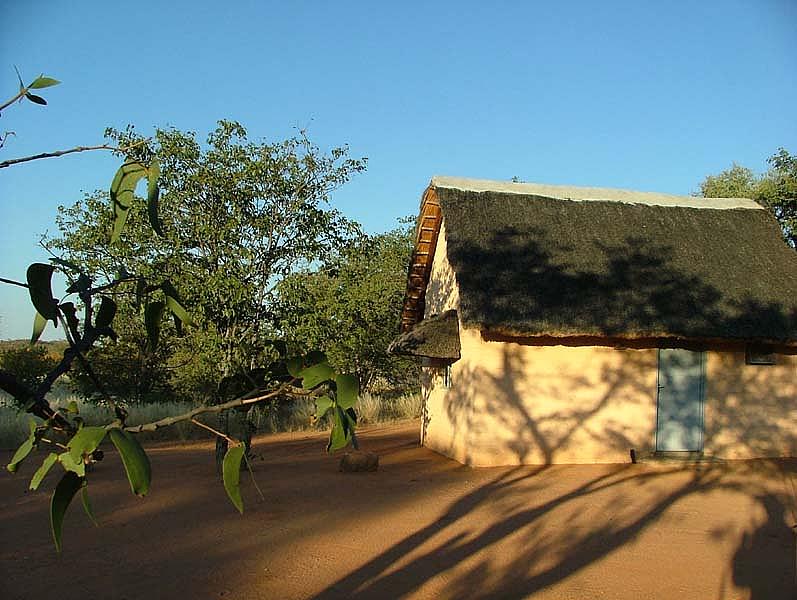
{"x":423,"y":526}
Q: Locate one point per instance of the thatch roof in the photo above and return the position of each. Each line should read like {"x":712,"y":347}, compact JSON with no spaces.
{"x":535,"y":260}
{"x":434,"y":337}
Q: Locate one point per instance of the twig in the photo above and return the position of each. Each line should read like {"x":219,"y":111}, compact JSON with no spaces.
{"x":62,"y":446}
{"x":111,"y":284}
{"x":12,"y":282}
{"x":34,"y":404}
{"x":216,"y":432}
{"x":16,"y":161}
{"x":86,"y":366}
{"x":254,"y":481}
{"x":21,"y":93}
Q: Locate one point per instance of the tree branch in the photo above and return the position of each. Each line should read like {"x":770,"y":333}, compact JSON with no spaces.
{"x":21,"y":93}
{"x":216,"y":408}
{"x":16,"y":161}
{"x":34,"y":405}
{"x":12,"y":282}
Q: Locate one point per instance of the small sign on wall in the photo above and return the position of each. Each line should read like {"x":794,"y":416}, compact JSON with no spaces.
{"x":759,"y":355}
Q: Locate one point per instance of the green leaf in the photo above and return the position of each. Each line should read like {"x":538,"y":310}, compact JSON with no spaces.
{"x":141,"y":287}
{"x":42,"y":471}
{"x":72,"y":407}
{"x":78,"y":467}
{"x":338,"y":437}
{"x":294,"y":366}
{"x":178,"y":325}
{"x":39,"y":278}
{"x":316,"y":374}
{"x":153,"y":314}
{"x":82,"y":284}
{"x":348,"y":390}
{"x":322,"y":405}
{"x":39,"y":323}
{"x":231,"y":471}
{"x":36,"y":99}
{"x":85,"y":441}
{"x":84,"y":498}
{"x":153,"y":196}
{"x":43,"y":82}
{"x":64,"y":492}
{"x":178,"y":310}
{"x":173,"y":303}
{"x":68,"y":308}
{"x":136,"y":461}
{"x":106,"y":313}
{"x":21,"y":453}
{"x":123,"y":188}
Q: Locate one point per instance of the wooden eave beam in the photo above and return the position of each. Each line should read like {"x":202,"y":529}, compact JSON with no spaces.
{"x":420,"y":267}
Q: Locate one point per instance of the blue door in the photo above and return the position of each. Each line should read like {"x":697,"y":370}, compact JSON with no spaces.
{"x":679,"y":415}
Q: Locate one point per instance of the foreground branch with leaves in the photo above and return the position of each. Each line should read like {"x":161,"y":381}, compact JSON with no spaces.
{"x":90,"y":319}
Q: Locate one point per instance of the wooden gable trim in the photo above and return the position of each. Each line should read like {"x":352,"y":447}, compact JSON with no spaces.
{"x":420,"y":267}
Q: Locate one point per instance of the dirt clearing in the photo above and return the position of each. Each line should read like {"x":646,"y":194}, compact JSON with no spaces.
{"x":421,"y":527}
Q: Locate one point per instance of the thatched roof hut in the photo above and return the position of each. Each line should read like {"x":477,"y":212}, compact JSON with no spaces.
{"x":562,"y":324}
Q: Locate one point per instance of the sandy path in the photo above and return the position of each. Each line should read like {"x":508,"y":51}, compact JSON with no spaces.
{"x":422,"y":527}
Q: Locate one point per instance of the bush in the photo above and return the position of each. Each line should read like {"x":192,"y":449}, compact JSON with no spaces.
{"x":30,"y":364}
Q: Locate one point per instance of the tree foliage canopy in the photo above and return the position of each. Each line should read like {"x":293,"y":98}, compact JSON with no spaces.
{"x":351,"y":306}
{"x":776,"y":189}
{"x":29,"y":363}
{"x":233,"y":218}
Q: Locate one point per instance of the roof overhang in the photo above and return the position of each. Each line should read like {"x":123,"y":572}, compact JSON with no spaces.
{"x":435,"y":337}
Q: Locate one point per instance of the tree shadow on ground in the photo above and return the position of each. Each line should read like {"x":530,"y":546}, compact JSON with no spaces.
{"x":640,"y":286}
{"x":533,"y":545}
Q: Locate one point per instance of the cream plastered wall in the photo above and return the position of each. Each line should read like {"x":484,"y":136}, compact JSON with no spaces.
{"x":518,"y":404}
{"x":513,"y":404}
{"x":750,"y":410}
{"x":442,"y":292}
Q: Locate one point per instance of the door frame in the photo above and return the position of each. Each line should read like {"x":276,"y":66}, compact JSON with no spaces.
{"x":701,"y":398}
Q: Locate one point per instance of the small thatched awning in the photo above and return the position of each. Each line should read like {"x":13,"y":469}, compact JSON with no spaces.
{"x":434,"y":337}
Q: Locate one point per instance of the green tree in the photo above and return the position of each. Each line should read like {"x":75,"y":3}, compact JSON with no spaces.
{"x":776,"y":189}
{"x":736,"y":182}
{"x":351,"y":306}
{"x":128,"y":369}
{"x":30,"y":364}
{"x":235,"y":217}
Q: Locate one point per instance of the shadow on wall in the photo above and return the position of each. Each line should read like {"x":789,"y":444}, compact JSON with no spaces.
{"x":546,"y":406}
{"x":752,"y":409}
{"x":547,"y":413}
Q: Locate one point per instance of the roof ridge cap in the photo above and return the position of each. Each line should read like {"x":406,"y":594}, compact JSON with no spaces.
{"x":591,"y":194}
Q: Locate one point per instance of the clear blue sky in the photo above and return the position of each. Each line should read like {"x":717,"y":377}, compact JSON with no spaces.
{"x":641,"y":95}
